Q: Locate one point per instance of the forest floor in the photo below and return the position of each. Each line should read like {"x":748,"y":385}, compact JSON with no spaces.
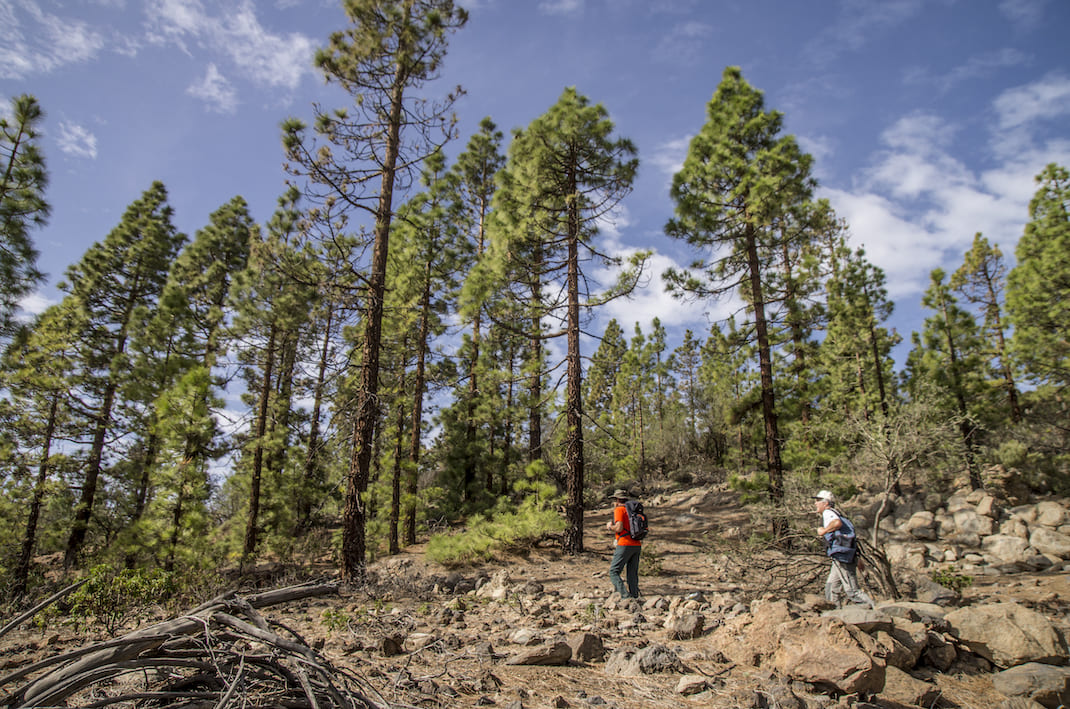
{"x":416,"y":635}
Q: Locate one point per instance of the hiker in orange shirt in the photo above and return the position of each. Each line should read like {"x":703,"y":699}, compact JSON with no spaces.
{"x":626,"y":552}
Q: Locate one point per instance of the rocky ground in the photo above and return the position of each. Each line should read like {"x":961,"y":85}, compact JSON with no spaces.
{"x":719,"y":625}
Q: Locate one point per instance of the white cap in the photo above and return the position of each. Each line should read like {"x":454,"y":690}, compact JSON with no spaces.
{"x":826,"y":496}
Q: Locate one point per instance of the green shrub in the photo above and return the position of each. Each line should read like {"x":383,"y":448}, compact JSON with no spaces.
{"x":949,"y":579}
{"x":110,"y":599}
{"x":752,"y":489}
{"x":503,"y":529}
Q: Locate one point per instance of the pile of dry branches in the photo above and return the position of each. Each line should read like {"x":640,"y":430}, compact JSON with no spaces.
{"x":223,"y":653}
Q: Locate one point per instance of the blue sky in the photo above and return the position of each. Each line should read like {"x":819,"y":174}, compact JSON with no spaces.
{"x":927,"y":119}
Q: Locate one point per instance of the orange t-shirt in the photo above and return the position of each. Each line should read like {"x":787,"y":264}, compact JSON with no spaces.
{"x":621,"y":515}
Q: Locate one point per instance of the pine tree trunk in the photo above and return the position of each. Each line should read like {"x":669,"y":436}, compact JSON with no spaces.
{"x":83,"y":511}
{"x":311,"y":478}
{"x":22,"y":567}
{"x":354,"y":513}
{"x":253,"y":519}
{"x":573,"y":537}
{"x":765,"y":363}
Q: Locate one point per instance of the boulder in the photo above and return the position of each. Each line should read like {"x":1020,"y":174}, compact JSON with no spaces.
{"x":632,"y":663}
{"x":687,"y":627}
{"x":928,"y":591}
{"x":1007,"y":634}
{"x":830,"y":654}
{"x":987,"y":506}
{"x":1048,"y":541}
{"x":894,"y":652}
{"x":863,"y":618}
{"x":1047,"y":685}
{"x":901,"y":687}
{"x":916,"y":611}
{"x":587,"y":647}
{"x":921,"y":525}
{"x":939,"y":652}
{"x":1015,"y":527}
{"x":969,"y":522}
{"x":691,"y":684}
{"x":1051,"y":514}
{"x":558,"y":653}
{"x":497,"y":588}
{"x":1006,"y":547}
{"x":759,"y":628}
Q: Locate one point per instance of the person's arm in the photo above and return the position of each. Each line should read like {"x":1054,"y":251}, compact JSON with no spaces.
{"x":616,"y":526}
{"x":832,"y":526}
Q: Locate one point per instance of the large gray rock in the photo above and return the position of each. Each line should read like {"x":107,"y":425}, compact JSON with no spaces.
{"x":830,"y":654}
{"x":1006,"y":547}
{"x":1015,"y":527}
{"x":1051,"y":514}
{"x":1044,"y":684}
{"x":967,"y":521}
{"x":632,"y":663}
{"x":865,"y":619}
{"x":1007,"y":634}
{"x":916,"y":611}
{"x":921,"y":525}
{"x":558,"y":653}
{"x":1048,"y":541}
{"x":686,"y":627}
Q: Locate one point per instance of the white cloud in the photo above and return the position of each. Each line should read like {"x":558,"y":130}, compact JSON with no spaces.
{"x":916,"y":208}
{"x":216,"y":91}
{"x":858,"y":22}
{"x":977,"y":67}
{"x":560,"y":7}
{"x":33,"y":41}
{"x":653,"y":301}
{"x":668,"y":157}
{"x":1024,"y":13}
{"x":35,"y":304}
{"x":76,"y":140}
{"x":263,"y":57}
{"x":1047,"y":98}
{"x":684,"y":44}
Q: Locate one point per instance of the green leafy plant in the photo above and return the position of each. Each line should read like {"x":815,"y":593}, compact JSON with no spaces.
{"x":949,"y":579}
{"x":335,"y":620}
{"x":752,"y":489}
{"x":110,"y":599}
{"x":504,"y":529}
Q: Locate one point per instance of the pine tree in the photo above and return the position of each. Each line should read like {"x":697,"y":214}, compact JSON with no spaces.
{"x":392,"y":49}
{"x":272,"y":299}
{"x":686,"y":359}
{"x":981,"y":280}
{"x":181,"y":345}
{"x":115,"y":282}
{"x":23,"y":179}
{"x":1038,"y":287}
{"x":36,"y":368}
{"x":474,"y":186}
{"x":948,"y":353}
{"x":565,"y":172}
{"x":740,"y":183}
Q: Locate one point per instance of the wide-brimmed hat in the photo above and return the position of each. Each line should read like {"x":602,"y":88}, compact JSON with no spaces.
{"x":621,"y":494}
{"x":826,"y":496}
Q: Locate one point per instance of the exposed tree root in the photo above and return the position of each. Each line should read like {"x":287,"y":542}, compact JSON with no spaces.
{"x":223,"y":653}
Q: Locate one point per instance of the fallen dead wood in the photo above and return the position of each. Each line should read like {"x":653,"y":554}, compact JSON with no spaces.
{"x":43,"y":604}
{"x":223,"y":653}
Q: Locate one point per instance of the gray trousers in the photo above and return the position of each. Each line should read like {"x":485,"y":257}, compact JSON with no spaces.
{"x":625,"y":557}
{"x":842,"y":584}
